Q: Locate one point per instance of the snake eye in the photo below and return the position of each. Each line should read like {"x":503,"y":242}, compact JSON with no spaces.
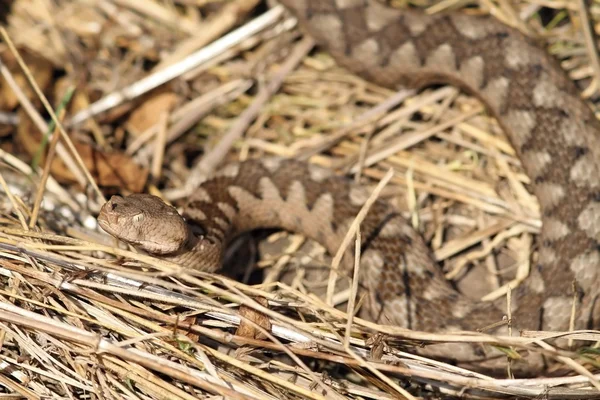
{"x":138,"y":217}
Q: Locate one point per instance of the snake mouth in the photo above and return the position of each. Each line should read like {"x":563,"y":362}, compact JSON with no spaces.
{"x":106,"y":219}
{"x":103,"y":222}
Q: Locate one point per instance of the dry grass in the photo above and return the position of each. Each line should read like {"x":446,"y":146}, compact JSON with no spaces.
{"x":81,"y":317}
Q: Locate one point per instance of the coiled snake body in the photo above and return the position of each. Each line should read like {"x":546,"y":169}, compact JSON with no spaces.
{"x":553,"y":131}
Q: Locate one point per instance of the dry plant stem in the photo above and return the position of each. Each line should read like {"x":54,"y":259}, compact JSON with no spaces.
{"x":75,"y":284}
{"x":23,"y":100}
{"x":523,"y":261}
{"x":162,"y":265}
{"x":245,"y":45}
{"x":80,"y":288}
{"x":346,"y":342}
{"x":173,"y":71}
{"x":412,"y":139}
{"x":39,"y":196}
{"x":159,"y":146}
{"x":419,"y":102}
{"x":39,"y":121}
{"x":52,"y":184}
{"x":169,"y":368}
{"x":401,"y":391}
{"x":210,"y":30}
{"x":521,"y":193}
{"x":401,"y":333}
{"x":280,"y":320}
{"x":361,"y":361}
{"x":455,"y":246}
{"x":574,"y":365}
{"x":511,"y":17}
{"x":590,"y":44}
{"x":250,"y":369}
{"x":354,"y":290}
{"x":494,"y":144}
{"x":276,"y":380}
{"x":28,"y":394}
{"x":492,"y":207}
{"x":277,"y":267}
{"x":429,"y":171}
{"x":18,"y":316}
{"x":507,"y":156}
{"x":509,"y":317}
{"x":362,"y":120}
{"x":54,"y":368}
{"x":362,"y":156}
{"x":189,"y":114}
{"x":208,"y":102}
{"x":573,"y":310}
{"x":13,"y":202}
{"x":337,"y":259}
{"x":209,"y":162}
{"x":251,"y":303}
{"x":156,"y":11}
{"x":50,"y":111}
{"x":488,"y":245}
{"x":487,"y":384}
{"x":140,"y":376}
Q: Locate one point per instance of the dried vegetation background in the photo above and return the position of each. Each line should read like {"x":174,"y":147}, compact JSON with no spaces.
{"x":152,"y":96}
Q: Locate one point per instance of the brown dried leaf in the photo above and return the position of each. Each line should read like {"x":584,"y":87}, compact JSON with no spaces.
{"x":113,"y":169}
{"x":148,"y":113}
{"x":40,"y":68}
{"x":246,"y":329}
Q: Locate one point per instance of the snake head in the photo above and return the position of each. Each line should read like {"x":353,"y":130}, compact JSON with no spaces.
{"x":145,"y":222}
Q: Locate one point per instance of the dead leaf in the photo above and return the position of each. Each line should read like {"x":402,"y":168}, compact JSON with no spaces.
{"x":187,"y":321}
{"x":109,"y":168}
{"x":246,"y":329}
{"x":148,"y":113}
{"x":41,"y":70}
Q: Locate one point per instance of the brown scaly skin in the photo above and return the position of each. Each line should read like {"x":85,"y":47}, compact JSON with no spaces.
{"x":554,"y":132}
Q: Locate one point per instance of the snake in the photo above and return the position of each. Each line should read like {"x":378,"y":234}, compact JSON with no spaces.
{"x":553,"y":130}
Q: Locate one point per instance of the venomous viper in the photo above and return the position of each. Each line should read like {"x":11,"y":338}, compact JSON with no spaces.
{"x":553,"y":131}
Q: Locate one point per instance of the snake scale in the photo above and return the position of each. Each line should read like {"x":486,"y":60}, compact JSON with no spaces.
{"x":554,"y":132}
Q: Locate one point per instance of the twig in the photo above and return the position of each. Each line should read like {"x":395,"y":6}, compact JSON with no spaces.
{"x":39,"y":196}
{"x":173,"y":71}
{"x":212,"y":29}
{"x":590,"y":44}
{"x":66,"y":139}
{"x":335,"y":263}
{"x":209,"y":162}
